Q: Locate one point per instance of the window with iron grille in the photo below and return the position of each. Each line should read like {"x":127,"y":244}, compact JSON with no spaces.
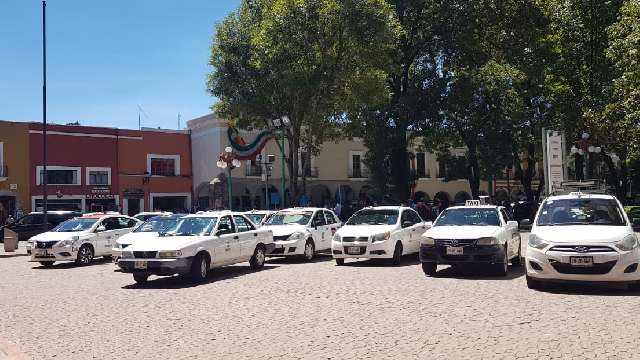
{"x":163,"y":167}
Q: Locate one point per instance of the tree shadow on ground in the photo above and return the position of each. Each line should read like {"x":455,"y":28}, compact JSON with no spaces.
{"x":298,"y":259}
{"x":587,"y":288}
{"x":407,"y":260}
{"x":71,"y":264}
{"x":181,"y":281}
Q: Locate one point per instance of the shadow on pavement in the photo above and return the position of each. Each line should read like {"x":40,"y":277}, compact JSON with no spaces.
{"x":11,"y":255}
{"x":72,"y":264}
{"x":180,"y":282}
{"x":298,"y":259}
{"x":475,"y":272}
{"x":586,"y":288}
{"x":407,"y":260}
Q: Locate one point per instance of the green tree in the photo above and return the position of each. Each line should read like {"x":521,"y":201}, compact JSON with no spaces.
{"x":312,"y":60}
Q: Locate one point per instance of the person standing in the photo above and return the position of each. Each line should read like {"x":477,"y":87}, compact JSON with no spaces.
{"x":338,"y":210}
{"x":423,"y":211}
{"x":345,"y":213}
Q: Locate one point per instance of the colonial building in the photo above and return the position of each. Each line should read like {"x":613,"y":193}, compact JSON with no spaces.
{"x":337,"y":173}
{"x":14,"y":169}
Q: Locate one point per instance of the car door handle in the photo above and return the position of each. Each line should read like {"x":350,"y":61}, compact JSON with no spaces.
{"x":235,"y":237}
{"x":255,"y":234}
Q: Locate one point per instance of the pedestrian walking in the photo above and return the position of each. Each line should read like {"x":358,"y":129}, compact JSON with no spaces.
{"x":338,"y":210}
{"x":10,"y":220}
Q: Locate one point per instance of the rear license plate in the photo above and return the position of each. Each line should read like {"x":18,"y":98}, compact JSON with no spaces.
{"x":41,"y":253}
{"x":140,"y":265}
{"x":581,"y":261}
{"x":455,"y":250}
{"x":353,"y":250}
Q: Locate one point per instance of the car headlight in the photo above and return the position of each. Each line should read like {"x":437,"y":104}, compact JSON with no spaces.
{"x":425,"y":240}
{"x":169,"y":254}
{"x":487,"y":241}
{"x":64,"y":243}
{"x":628,"y":243}
{"x":337,"y":238}
{"x":381,"y":237}
{"x":127,"y":255}
{"x":296,"y":236}
{"x":536,"y":242}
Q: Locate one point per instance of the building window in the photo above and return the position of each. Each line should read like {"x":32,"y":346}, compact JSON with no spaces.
{"x":59,"y":175}
{"x":421,"y":165}
{"x":98,"y":178}
{"x":163,"y":167}
{"x":357,"y":168}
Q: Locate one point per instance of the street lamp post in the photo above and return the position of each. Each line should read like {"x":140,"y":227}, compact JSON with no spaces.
{"x":585,"y":149}
{"x":279,"y":126}
{"x":228,"y":161}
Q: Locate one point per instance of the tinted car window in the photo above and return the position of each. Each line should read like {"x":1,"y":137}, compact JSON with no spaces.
{"x":226,"y":223}
{"x":318,"y":219}
{"x":329,"y":217}
{"x":413,"y":216}
{"x":31,"y":219}
{"x":125,"y":223}
{"x":111,"y":223}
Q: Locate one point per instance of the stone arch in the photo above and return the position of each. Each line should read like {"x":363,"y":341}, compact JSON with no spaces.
{"x":461,"y":197}
{"x":320,"y":195}
{"x":443,"y":197}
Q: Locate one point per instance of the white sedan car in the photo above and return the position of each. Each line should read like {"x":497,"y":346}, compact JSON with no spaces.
{"x":479,"y":234}
{"x":199,"y":242}
{"x":148,"y":230}
{"x":582,"y":237}
{"x":302,"y":231}
{"x":385,"y":232}
{"x":80,"y":239}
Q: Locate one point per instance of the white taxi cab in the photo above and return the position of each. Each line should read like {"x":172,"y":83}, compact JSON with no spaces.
{"x":199,"y":243}
{"x":474,"y":233}
{"x":384,"y":232}
{"x":150,"y":229}
{"x":582,"y":237}
{"x":302,"y":231}
{"x":81,"y":239}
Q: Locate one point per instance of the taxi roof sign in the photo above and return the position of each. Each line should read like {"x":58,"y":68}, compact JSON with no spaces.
{"x":472,"y":203}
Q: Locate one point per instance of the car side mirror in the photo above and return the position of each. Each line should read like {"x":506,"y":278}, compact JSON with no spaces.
{"x":407,"y":224}
{"x":101,"y":228}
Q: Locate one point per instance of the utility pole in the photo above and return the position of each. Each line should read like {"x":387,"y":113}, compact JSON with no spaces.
{"x":44,"y":117}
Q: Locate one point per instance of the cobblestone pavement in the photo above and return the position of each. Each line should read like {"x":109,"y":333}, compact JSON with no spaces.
{"x":317,"y":311}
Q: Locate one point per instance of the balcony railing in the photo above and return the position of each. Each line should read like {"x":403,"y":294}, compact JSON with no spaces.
{"x":311,"y":171}
{"x":361,"y":173}
{"x":4,"y":171}
{"x":253,"y":170}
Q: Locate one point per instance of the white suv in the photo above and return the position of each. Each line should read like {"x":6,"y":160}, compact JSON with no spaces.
{"x":302,"y":231}
{"x":80,"y":239}
{"x":582,"y":237}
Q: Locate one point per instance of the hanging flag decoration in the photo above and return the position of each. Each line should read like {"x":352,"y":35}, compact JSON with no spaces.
{"x":244,"y":151}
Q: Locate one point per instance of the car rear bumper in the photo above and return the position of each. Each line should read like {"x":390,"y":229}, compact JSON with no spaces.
{"x":607,"y":267}
{"x":363,"y":250}
{"x":484,"y":254}
{"x":156,"y":266}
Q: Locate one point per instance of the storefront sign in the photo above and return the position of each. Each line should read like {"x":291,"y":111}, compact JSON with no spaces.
{"x":133,"y":193}
{"x":13,"y":186}
{"x":100,"y":190}
{"x":100,"y":196}
{"x":553,"y":159}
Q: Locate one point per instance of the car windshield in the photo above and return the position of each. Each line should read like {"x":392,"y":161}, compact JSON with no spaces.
{"x":374,"y":217}
{"x":195,"y":226}
{"x":158,"y":224}
{"x":289,"y":218}
{"x":581,"y":211}
{"x":468,"y":216}
{"x":73,"y":225}
{"x":255,"y":218}
{"x":145,"y":217}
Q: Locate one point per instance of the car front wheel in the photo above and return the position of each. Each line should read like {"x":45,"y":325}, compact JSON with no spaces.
{"x":257,"y":260}
{"x":140,"y":278}
{"x":533,"y":283}
{"x":199,"y":269}
{"x":47,"y":264}
{"x":429,"y":268}
{"x":309,"y":250}
{"x":85,"y":255}
{"x":397,"y":254}
{"x":339,"y":262}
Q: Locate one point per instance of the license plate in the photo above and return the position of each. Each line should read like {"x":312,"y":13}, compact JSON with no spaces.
{"x":140,"y":265}
{"x":581,"y":261}
{"x":353,"y":250}
{"x":455,"y":250}
{"x":42,"y":252}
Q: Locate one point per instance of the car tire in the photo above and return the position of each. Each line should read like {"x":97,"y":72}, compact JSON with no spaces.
{"x":85,"y":255}
{"x":501,"y":269}
{"x":309,"y":250}
{"x":397,"y":254}
{"x":534,"y":284}
{"x":140,"y":278}
{"x":257,"y":260}
{"x":430,"y":268}
{"x":339,"y":262}
{"x":199,"y":268}
{"x":108,"y":257}
{"x":517,"y":261}
{"x":47,"y":264}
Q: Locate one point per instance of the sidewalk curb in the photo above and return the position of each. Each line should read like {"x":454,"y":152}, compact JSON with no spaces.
{"x":10,"y":352}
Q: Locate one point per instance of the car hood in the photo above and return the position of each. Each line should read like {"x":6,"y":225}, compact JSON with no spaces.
{"x":165,"y":243}
{"x":364,"y":230}
{"x":137,"y":236}
{"x":57,"y":236}
{"x":581,"y":233}
{"x":283,"y":230}
{"x":462,"y":232}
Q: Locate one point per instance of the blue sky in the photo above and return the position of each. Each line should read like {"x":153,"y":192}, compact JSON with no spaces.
{"x":106,"y":57}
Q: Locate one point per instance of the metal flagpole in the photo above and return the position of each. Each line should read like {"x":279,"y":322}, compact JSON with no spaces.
{"x":44,"y":116}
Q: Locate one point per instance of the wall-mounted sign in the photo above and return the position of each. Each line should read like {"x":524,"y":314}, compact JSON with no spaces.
{"x":100,"y":190}
{"x":133,"y":193}
{"x":100,"y":196}
{"x":13,"y":186}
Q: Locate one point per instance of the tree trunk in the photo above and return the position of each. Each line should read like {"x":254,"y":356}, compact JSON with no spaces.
{"x":474,"y":173}
{"x":400,"y":166}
